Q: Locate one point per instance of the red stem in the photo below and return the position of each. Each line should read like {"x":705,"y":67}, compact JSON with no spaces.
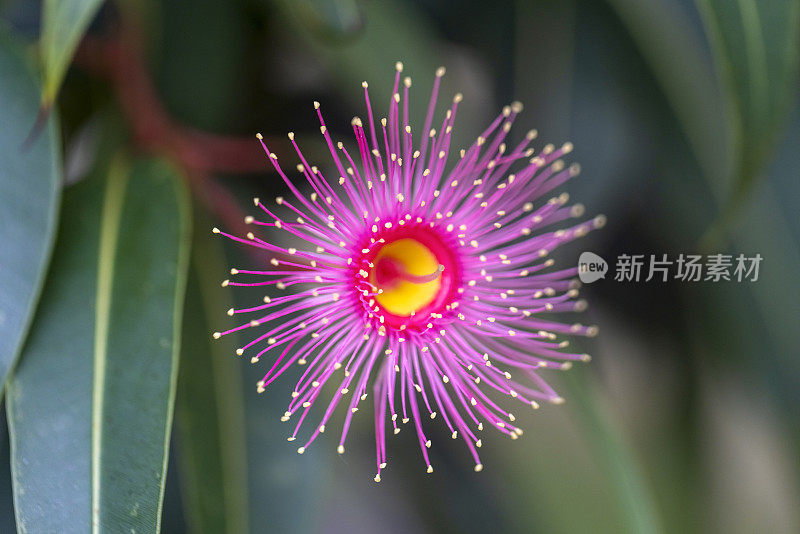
{"x":201,"y":154}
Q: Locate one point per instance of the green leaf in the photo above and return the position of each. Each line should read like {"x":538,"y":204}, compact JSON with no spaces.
{"x":63,"y":24}
{"x":330,"y":19}
{"x":209,"y":410}
{"x":670,"y":48}
{"x":30,"y":182}
{"x":579,"y":459}
{"x":49,"y":395}
{"x":90,"y":405}
{"x":210,"y":64}
{"x":287,"y":489}
{"x":143,"y":258}
{"x":636,"y":501}
{"x":391,"y":31}
{"x":755,"y":46}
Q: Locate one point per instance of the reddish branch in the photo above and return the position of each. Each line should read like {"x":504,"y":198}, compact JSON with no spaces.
{"x":121,"y":61}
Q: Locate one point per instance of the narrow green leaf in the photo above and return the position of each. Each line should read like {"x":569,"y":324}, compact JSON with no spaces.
{"x":670,"y":48}
{"x":636,"y":500}
{"x":756,"y":47}
{"x":30,"y":182}
{"x":209,"y":410}
{"x":90,"y":405}
{"x":49,"y":395}
{"x":579,"y":459}
{"x":141,"y":281}
{"x":63,"y":24}
{"x":286,"y":488}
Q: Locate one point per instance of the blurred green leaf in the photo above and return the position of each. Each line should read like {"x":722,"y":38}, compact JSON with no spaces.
{"x":546,"y":32}
{"x":90,"y":411}
{"x":209,"y":411}
{"x":202,"y":50}
{"x":63,"y":25}
{"x":573,"y":457}
{"x":583,"y":460}
{"x":393,"y":31}
{"x":610,"y":444}
{"x":670,"y":47}
{"x":330,"y":18}
{"x":30,"y":182}
{"x":287,"y":488}
{"x":755,"y":45}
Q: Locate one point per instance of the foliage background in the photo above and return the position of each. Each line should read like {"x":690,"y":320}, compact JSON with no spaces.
{"x":685,"y":121}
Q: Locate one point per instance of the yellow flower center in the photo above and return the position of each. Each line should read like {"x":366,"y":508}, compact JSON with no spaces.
{"x":407,"y":272}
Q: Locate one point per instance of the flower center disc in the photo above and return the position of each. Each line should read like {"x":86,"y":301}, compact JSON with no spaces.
{"x":417,"y":273}
{"x":403,"y":270}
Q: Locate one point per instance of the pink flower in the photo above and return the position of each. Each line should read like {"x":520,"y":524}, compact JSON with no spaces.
{"x":428,"y":283}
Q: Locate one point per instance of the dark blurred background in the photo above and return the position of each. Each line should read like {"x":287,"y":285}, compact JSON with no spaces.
{"x":686,"y":420}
